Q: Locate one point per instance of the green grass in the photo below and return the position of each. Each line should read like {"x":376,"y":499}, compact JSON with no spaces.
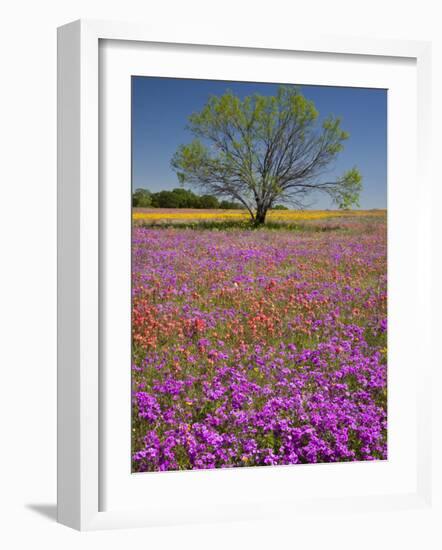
{"x":228,"y":225}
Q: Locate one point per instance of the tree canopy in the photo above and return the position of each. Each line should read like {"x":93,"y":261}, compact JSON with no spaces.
{"x":263,"y":149}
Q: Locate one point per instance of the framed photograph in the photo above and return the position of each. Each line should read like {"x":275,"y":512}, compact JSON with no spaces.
{"x":242,"y":297}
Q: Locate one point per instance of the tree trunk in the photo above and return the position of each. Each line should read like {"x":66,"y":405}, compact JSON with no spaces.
{"x":260,"y":216}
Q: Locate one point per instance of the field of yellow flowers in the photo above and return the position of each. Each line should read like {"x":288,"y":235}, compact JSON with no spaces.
{"x":167,"y":215}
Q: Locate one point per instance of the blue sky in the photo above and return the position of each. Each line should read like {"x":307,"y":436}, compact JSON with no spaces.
{"x":161,"y":106}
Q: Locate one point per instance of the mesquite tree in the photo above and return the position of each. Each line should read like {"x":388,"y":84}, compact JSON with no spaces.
{"x":263,"y":149}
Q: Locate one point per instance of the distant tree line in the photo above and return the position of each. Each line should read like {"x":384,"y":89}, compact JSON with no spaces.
{"x":182,"y":198}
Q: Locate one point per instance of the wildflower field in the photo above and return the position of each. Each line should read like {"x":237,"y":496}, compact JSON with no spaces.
{"x":164,"y":215}
{"x":259,"y":347}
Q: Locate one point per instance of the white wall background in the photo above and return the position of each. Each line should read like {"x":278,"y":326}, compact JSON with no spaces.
{"x":28,"y":263}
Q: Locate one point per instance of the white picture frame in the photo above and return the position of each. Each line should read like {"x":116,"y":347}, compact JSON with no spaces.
{"x":79,"y":268}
